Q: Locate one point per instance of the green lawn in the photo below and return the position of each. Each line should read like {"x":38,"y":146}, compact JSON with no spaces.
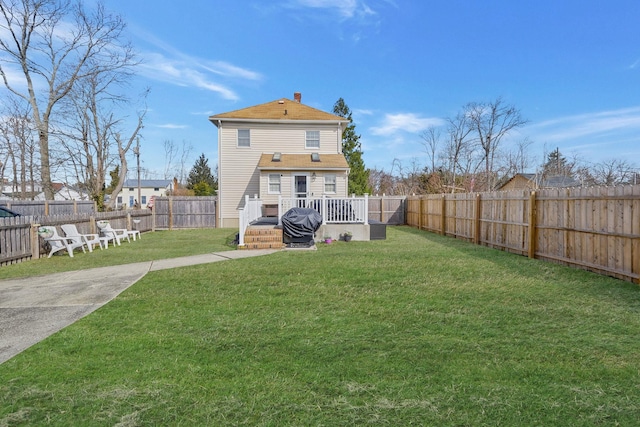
{"x":152,"y":246}
{"x":414,"y":330}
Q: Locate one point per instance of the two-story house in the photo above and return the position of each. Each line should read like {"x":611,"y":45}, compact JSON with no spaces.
{"x":148,"y":188}
{"x":280,"y":148}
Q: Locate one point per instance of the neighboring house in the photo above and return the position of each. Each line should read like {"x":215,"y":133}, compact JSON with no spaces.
{"x":65,"y":192}
{"x":280,"y":148}
{"x":148,"y":188}
{"x":530,"y":181}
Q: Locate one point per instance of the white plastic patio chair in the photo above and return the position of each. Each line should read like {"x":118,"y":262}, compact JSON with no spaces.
{"x":59,"y":243}
{"x":114,"y":234}
{"x":71,"y":231}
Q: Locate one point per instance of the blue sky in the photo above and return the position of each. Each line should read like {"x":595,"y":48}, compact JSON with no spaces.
{"x":571,"y":67}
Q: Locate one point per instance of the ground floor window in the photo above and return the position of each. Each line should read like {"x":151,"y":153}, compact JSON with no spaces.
{"x":330,"y":183}
{"x":274,"y":183}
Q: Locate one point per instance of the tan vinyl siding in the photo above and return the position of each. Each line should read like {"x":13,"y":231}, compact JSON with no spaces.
{"x":237,"y":173}
{"x":316,"y":188}
{"x":291,"y":138}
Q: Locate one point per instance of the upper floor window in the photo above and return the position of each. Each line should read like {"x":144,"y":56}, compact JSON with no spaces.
{"x":274,"y":183}
{"x":330,"y":183}
{"x":244,"y":138}
{"x":312,"y":139}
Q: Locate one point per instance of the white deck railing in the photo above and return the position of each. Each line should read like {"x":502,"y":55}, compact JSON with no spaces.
{"x":350,"y":210}
{"x":251,"y":211}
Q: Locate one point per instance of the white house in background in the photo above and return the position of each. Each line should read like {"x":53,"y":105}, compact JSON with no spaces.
{"x":280,"y":148}
{"x":148,"y":188}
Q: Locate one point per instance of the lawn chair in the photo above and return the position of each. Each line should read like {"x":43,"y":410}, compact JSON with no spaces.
{"x":114,"y":234}
{"x":57,"y":242}
{"x":89,"y":240}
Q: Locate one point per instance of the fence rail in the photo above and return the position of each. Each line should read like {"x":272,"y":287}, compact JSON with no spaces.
{"x":597,"y":228}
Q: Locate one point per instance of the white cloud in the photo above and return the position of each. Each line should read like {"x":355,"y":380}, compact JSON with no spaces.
{"x":170,"y":65}
{"x":189,"y":72}
{"x":405,"y":122}
{"x":172,"y":126}
{"x":587,"y":125}
{"x":345,"y":8}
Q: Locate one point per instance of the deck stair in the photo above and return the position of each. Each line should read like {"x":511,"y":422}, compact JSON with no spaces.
{"x":263,"y":237}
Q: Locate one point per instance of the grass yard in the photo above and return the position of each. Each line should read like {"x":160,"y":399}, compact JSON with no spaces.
{"x":152,"y":246}
{"x":414,"y":330}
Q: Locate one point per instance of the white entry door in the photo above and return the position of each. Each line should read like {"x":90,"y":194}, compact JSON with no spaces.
{"x":300,"y":189}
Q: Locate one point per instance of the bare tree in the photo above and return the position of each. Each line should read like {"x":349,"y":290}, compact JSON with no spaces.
{"x":491,"y":122}
{"x":612,"y":172}
{"x":18,"y":148}
{"x":54,"y":44}
{"x":176,"y":160}
{"x":458,"y":155}
{"x":91,"y":125}
{"x":123,"y":149}
{"x":516,"y":160}
{"x":431,"y":140}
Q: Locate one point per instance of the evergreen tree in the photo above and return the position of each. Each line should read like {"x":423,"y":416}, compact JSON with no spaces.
{"x":352,"y":150}
{"x":557,"y":165}
{"x":201,"y":174}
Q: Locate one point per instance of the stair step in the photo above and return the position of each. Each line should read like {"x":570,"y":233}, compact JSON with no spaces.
{"x":262,"y":237}
{"x":263,"y":245}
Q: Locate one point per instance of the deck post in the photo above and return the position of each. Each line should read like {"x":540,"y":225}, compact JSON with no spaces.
{"x":366,"y":209}
{"x":324,"y":209}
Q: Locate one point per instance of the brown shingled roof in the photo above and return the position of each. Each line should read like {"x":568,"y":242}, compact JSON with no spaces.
{"x":281,"y":109}
{"x":303,"y":161}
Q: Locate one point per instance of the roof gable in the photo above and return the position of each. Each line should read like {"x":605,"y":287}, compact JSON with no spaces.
{"x":281,"y":109}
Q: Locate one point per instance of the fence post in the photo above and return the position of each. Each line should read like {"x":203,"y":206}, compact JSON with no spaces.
{"x":532,"y":225}
{"x":382,"y":210}
{"x":476,"y":220}
{"x":35,"y":241}
{"x":46,"y":207}
{"x":170,"y":213}
{"x":420,"y":212}
{"x":443,"y":216}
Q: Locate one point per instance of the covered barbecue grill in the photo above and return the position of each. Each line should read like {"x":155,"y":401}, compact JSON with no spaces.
{"x":300,"y":224}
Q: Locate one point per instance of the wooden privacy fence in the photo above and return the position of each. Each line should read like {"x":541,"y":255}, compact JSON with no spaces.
{"x":19,"y":240}
{"x":49,"y":207}
{"x":389,"y":210}
{"x":596,"y":228}
{"x":184,"y":212}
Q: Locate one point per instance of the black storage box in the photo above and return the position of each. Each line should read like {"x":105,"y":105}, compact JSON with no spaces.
{"x":377,"y":230}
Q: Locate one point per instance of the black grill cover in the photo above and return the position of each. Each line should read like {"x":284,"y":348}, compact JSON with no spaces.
{"x":301,"y":223}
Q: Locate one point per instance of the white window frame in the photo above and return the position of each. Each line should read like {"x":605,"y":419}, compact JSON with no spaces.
{"x":311,"y":136}
{"x":327,"y":181}
{"x":244,"y":140}
{"x":272,"y":181}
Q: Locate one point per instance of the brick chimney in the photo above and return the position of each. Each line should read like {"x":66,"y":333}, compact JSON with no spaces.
{"x":297,"y":96}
